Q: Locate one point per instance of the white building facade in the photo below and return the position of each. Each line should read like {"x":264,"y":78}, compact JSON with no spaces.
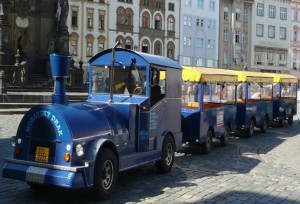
{"x":271,"y":34}
{"x":295,"y":35}
{"x":199,"y":31}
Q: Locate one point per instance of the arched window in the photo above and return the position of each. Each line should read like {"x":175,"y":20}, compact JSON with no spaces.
{"x":74,"y":44}
{"x":145,"y":46}
{"x":157,"y":48}
{"x":122,"y":41}
{"x":128,"y":17}
{"x":145,"y":20}
{"x":120,"y":16}
{"x":101,"y":43}
{"x":157,"y":22}
{"x":171,"y":50}
{"x":171,"y":23}
{"x":89,"y":45}
{"x":128,"y":43}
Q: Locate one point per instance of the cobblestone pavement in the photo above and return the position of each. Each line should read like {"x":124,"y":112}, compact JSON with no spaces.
{"x":261,"y":169}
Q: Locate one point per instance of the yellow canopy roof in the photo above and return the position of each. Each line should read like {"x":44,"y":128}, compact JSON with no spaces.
{"x":284,"y":78}
{"x":259,"y":77}
{"x":203,"y":74}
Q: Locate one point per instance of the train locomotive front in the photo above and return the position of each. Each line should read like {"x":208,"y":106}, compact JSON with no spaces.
{"x":86,"y":145}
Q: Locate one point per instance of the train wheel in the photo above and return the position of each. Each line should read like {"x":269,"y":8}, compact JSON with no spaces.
{"x":250,"y":130}
{"x":225,"y":138}
{"x":265,"y":125}
{"x":290,"y":120}
{"x":209,"y":144}
{"x":167,"y":156}
{"x":105,"y":175}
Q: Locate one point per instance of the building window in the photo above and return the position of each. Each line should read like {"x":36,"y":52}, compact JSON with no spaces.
{"x":225,"y":59}
{"x":171,"y":49}
{"x":145,"y":20}
{"x":282,"y":33}
{"x":128,"y":17}
{"x":225,"y":35}
{"x":202,"y":23}
{"x":145,"y":46}
{"x":245,"y":38}
{"x":283,"y":13}
{"x":200,"y":4}
{"x":171,"y":6}
{"x":120,"y":17}
{"x":238,"y":14}
{"x":171,"y":24}
{"x":295,"y":36}
{"x":189,"y":21}
{"x":209,"y":24}
{"x":157,"y":48}
{"x":146,"y":2}
{"x":89,"y":49}
{"x":101,"y":44}
{"x":260,"y":30}
{"x":121,"y":40}
{"x":185,"y":20}
{"x":75,"y":18}
{"x":272,"y":11}
{"x":74,"y":47}
{"x":157,"y":22}
{"x":128,"y":43}
{"x":295,"y":15}
{"x":260,"y":9}
{"x":186,"y":60}
{"x":208,"y":43}
{"x":212,"y":6}
{"x":197,"y":22}
{"x":199,"y":42}
{"x":258,"y":58}
{"x":90,"y":16}
{"x":158,"y":5}
{"x":188,"y":2}
{"x":102,"y":20}
{"x":271,"y":32}
{"x":245,"y":16}
{"x":189,"y":42}
{"x":226,"y":13}
{"x":237,"y":36}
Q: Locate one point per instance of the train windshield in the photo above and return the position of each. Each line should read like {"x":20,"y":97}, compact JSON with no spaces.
{"x":129,"y":80}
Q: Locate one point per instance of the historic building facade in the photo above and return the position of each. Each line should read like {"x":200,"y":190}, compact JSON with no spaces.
{"x":295,"y":35}
{"x":199,"y":31}
{"x":271,"y":36}
{"x":235,"y":34}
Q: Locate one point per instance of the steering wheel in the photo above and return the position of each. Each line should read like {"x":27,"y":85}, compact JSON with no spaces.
{"x":137,"y":90}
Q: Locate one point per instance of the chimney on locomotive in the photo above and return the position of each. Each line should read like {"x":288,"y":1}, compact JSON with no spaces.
{"x":60,"y":68}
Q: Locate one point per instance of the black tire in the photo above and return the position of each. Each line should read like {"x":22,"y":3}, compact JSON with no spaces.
{"x":167,"y":155}
{"x":290,"y":120}
{"x":250,"y":130}
{"x":225,"y":138}
{"x":265,"y":125}
{"x":105,"y":174}
{"x":208,"y":145}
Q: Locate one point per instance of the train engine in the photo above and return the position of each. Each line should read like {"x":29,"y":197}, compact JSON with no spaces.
{"x":131,"y":117}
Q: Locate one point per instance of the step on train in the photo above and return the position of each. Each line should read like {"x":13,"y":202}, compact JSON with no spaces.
{"x":141,"y":109}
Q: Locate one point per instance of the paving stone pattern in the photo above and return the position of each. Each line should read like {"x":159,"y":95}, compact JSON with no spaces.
{"x":261,"y":169}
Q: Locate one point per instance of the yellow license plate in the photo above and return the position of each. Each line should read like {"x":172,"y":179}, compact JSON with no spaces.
{"x":42,"y":154}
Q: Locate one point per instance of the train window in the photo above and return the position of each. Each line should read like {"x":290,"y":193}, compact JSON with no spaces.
{"x":157,"y":85}
{"x":189,"y":94}
{"x":127,"y":80}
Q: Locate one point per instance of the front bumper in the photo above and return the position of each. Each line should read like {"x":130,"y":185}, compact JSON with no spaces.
{"x":47,"y":174}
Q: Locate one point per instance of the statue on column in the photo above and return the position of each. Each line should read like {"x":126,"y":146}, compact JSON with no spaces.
{"x":58,"y":38}
{"x":62,"y":12}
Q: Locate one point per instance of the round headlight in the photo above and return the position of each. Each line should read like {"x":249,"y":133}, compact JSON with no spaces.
{"x":79,"y":150}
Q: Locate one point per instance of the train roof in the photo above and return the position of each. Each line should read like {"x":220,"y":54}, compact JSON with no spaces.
{"x":126,"y":55}
{"x":284,"y":78}
{"x":204,"y":74}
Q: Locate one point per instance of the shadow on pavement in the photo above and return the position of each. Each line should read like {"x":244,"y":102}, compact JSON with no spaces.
{"x":144,"y":182}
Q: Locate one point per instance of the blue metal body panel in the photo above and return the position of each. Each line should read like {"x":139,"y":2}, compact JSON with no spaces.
{"x":196,"y":123}
{"x":256,"y":110}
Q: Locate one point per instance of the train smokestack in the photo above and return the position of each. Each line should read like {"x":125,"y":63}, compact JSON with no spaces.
{"x":60,"y":68}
